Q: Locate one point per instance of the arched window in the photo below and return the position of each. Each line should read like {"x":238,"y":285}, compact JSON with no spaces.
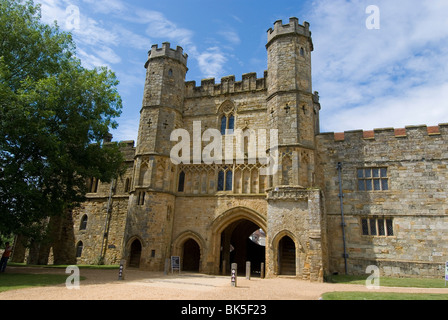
{"x":141,"y":198}
{"x":223,"y":125}
{"x":227,"y":119}
{"x":83,"y":225}
{"x":181,"y":186}
{"x":227,"y":123}
{"x":221,"y":180}
{"x":229,"y":184}
{"x":92,"y":185}
{"x":127,"y":186}
{"x":79,"y":247}
{"x":231,"y":125}
{"x":225,"y":179}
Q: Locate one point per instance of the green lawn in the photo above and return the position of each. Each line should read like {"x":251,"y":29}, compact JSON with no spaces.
{"x":386,"y":282}
{"x":391,"y":282}
{"x":13,"y":281}
{"x":382,"y":296}
{"x":81,"y":266}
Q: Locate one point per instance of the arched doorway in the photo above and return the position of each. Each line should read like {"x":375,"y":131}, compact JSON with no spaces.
{"x":238,"y":246}
{"x":136,"y":253}
{"x":191,"y":256}
{"x":287,"y":256}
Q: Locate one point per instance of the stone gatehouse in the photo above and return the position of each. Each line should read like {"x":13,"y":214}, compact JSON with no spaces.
{"x":393,"y":214}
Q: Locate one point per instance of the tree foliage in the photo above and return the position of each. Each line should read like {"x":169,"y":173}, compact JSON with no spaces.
{"x":54,"y":117}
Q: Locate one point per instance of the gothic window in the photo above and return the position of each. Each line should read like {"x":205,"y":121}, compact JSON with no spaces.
{"x":141,"y":198}
{"x":227,"y":123}
{"x":127,"y":186}
{"x":223,"y":125}
{"x":83,"y":225}
{"x":229,"y":180}
{"x":373,"y":179}
{"x":231,"y":123}
{"x":92,"y":185}
{"x":170,"y":72}
{"x":79,"y":247}
{"x":181,"y":185}
{"x":225,"y":179}
{"x":227,"y":117}
{"x":221,"y":180}
{"x":302,"y":52}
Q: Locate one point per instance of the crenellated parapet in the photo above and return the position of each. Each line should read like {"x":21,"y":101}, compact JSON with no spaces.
{"x":293,"y":27}
{"x":410,"y":132}
{"x":228,"y":85}
{"x":167,"y":51}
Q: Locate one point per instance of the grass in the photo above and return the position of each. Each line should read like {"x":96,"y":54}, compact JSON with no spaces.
{"x":13,"y":281}
{"x":80,"y":266}
{"x":382,"y":296}
{"x":386,"y":282}
{"x":390,"y":282}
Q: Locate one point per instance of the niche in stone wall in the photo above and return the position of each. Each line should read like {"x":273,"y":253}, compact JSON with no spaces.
{"x":287,"y":170}
{"x":144,"y":176}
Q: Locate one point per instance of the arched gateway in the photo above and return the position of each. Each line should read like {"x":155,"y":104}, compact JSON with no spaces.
{"x":205,"y":211}
{"x":232,"y":243}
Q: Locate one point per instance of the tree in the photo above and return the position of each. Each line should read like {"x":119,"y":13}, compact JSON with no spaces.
{"x":54,"y":117}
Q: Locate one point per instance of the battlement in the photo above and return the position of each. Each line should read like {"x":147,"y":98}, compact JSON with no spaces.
{"x":208,"y":87}
{"x":293,"y":26}
{"x":411,"y":132}
{"x":167,"y":51}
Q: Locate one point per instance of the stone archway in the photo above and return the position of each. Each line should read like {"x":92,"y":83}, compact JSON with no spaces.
{"x":231,"y":243}
{"x":189,"y":246}
{"x":191,"y":256}
{"x":286,"y":256}
{"x":135,"y":254}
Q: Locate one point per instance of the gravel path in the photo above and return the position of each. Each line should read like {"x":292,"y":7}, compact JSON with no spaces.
{"x":141,"y":285}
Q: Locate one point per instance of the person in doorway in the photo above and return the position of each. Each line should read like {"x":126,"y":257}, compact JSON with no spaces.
{"x":5,"y":257}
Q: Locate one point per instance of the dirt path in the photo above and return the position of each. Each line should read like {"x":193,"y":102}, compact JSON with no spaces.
{"x":140,"y":285}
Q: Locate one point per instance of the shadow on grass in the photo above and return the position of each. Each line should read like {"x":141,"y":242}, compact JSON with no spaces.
{"x":13,"y":281}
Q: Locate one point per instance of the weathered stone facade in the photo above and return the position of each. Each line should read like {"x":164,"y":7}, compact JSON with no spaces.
{"x":205,"y":213}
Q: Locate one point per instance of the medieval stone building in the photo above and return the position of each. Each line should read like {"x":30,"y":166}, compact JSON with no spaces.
{"x":337,"y":201}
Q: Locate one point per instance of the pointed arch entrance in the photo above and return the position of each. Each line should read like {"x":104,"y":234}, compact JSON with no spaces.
{"x":232,"y":232}
{"x":190,"y":246}
{"x":287,"y":256}
{"x":135,"y":254}
{"x":191,"y":256}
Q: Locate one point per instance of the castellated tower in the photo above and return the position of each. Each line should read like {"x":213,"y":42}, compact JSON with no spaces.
{"x":290,"y":104}
{"x":151,"y":204}
{"x":294,"y":207}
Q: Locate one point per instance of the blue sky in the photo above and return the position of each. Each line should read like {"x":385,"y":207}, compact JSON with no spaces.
{"x":367,"y":79}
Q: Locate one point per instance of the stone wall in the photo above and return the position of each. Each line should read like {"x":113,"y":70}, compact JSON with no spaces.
{"x":297,"y":213}
{"x":416,"y":160}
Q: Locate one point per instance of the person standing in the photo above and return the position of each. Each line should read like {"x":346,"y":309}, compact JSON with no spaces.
{"x":5,"y":257}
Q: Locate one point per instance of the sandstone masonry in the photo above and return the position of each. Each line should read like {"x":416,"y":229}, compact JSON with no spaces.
{"x":393,"y":181}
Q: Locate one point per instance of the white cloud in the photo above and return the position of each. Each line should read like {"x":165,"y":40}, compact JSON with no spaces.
{"x":127,"y":130}
{"x":158,"y":26}
{"x":211,"y":62}
{"x":107,"y":54}
{"x":90,"y":61}
{"x":107,"y":6}
{"x":375,"y":78}
{"x":419,"y":107}
{"x":231,"y":36}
